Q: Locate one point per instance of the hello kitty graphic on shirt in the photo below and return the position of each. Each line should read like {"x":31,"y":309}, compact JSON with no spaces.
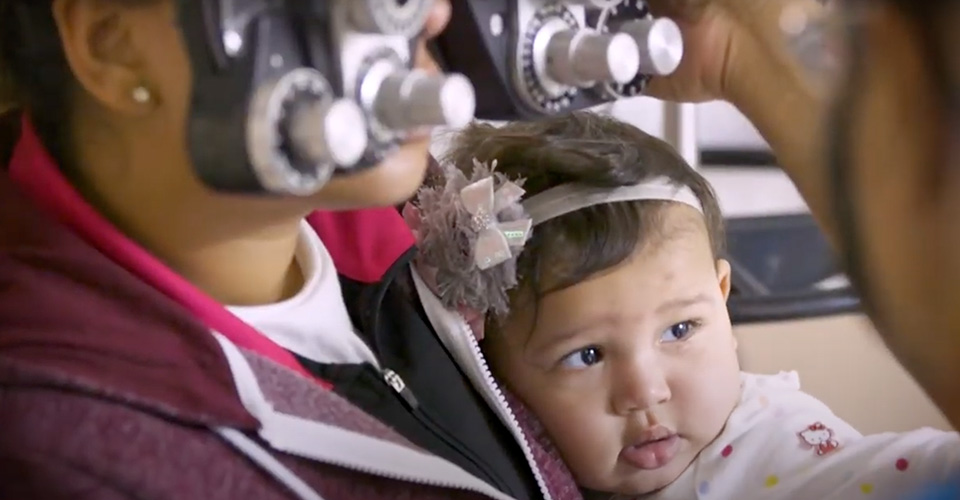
{"x":819,"y":437}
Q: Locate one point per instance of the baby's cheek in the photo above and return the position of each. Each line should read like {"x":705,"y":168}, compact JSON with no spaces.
{"x":703,"y":397}
{"x":580,"y":433}
{"x":588,"y":447}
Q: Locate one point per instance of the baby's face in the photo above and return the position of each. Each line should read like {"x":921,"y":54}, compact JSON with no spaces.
{"x":634,"y":371}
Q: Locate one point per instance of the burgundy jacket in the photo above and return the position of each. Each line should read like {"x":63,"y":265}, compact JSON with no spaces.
{"x":111,"y":389}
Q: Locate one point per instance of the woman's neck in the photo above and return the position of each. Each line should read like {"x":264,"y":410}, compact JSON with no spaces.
{"x":241,"y":250}
{"x":254,"y":266}
{"x":253,"y":269}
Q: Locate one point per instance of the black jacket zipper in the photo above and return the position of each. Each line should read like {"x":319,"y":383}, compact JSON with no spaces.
{"x":396,"y":382}
{"x":393,"y":379}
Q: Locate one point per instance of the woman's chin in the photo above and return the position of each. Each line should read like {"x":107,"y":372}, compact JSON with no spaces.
{"x":392,"y":182}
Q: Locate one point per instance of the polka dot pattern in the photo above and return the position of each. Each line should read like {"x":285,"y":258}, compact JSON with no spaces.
{"x":785,"y":478}
{"x":772,"y":480}
{"x":704,"y":487}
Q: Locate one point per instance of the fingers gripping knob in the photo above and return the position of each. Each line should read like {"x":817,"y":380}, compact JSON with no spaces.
{"x":330,"y":131}
{"x":660,"y":42}
{"x":410,"y":99}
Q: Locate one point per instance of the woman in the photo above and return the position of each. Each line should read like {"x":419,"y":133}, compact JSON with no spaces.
{"x":122,"y":373}
{"x":883,"y":179}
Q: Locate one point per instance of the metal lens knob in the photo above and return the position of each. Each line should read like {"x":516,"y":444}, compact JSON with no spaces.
{"x":410,"y":99}
{"x":583,"y":57}
{"x":389,"y":17}
{"x":660,"y":42}
{"x":329,"y":131}
{"x":299,"y":133}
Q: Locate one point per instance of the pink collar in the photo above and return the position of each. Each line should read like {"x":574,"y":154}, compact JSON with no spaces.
{"x":35,"y":173}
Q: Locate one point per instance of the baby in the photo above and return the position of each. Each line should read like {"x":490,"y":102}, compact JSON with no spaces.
{"x":580,"y":258}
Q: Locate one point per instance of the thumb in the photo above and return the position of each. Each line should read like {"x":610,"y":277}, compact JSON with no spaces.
{"x":687,"y":10}
{"x":661,"y":87}
{"x":438,"y":18}
{"x":678,"y":87}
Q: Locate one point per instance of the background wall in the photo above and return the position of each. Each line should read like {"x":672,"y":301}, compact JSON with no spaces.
{"x":843,"y":362}
{"x":721,"y":125}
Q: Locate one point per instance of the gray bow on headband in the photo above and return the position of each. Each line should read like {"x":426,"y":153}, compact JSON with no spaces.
{"x":496,"y":240}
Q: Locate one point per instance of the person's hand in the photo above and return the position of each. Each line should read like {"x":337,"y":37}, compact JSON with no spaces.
{"x":722,"y":40}
{"x":710,"y":36}
{"x":436,"y":23}
{"x":401,"y":173}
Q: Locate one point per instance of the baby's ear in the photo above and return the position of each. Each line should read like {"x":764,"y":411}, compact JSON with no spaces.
{"x":434,"y":174}
{"x":723,"y":277}
{"x":411,"y":215}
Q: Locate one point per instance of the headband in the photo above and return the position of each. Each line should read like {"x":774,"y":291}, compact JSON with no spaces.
{"x":566,"y":198}
{"x":470,"y":230}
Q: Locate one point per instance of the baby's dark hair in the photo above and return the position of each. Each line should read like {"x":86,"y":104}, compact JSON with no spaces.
{"x":587,"y":148}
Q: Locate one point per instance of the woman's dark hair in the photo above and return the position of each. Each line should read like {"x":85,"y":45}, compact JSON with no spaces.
{"x":929,"y":21}
{"x":587,"y":148}
{"x":34,"y":74}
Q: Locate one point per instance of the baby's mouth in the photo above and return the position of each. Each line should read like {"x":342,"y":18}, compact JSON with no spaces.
{"x":655,"y":448}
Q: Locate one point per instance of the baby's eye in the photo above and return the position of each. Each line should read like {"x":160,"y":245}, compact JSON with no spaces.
{"x":679,"y":331}
{"x":582,"y":358}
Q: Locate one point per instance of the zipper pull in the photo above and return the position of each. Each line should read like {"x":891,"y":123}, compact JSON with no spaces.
{"x":394,"y":380}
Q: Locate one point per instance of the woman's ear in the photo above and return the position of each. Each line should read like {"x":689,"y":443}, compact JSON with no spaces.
{"x":97,"y":44}
{"x":723,"y":277}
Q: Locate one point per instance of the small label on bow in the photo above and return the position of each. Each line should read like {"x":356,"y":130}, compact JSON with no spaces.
{"x":517,"y":232}
{"x":494,"y":239}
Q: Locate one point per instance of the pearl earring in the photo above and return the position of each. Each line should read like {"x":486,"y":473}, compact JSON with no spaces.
{"x":141,"y":95}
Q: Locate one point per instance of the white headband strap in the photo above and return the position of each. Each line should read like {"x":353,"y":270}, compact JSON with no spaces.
{"x":567,"y":198}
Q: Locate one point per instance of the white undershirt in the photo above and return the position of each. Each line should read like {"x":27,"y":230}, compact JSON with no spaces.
{"x":314,"y":323}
